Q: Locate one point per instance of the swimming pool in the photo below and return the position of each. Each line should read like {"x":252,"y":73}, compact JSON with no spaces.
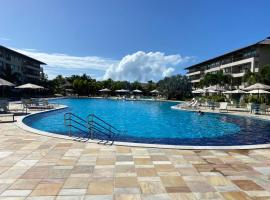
{"x":155,"y":122}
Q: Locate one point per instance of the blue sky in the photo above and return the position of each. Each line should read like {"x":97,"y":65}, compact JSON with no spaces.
{"x":124,"y":39}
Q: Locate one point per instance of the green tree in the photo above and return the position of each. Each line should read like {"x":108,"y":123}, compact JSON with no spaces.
{"x":175,"y":87}
{"x":215,"y":79}
{"x":251,"y":78}
{"x":264,"y":74}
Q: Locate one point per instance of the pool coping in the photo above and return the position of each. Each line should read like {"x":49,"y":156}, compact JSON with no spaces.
{"x":23,"y":126}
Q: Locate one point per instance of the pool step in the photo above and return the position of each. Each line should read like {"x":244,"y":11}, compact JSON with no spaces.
{"x":93,"y":127}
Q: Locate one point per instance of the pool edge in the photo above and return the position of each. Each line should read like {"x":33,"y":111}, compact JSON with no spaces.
{"x":27,"y":128}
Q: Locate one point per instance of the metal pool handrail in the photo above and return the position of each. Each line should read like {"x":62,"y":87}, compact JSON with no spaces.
{"x":93,"y":124}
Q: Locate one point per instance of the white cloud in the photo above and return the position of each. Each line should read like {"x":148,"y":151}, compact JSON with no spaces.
{"x":68,"y":61}
{"x":5,"y":39}
{"x":143,"y":66}
{"x":139,"y":66}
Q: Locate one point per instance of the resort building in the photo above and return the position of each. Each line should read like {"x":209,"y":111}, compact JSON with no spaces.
{"x":235,"y":63}
{"x":27,"y":68}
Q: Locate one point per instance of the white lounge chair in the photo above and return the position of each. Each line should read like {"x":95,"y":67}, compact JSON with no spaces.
{"x":223,"y":106}
{"x":195,"y":105}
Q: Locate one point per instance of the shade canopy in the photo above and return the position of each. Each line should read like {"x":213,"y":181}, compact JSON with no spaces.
{"x":122,"y":91}
{"x":198,"y":91}
{"x":258,"y":92}
{"x":238,"y":91}
{"x":137,"y":91}
{"x":29,"y":86}
{"x":58,"y":95}
{"x":154,"y":91}
{"x":105,"y":90}
{"x":212,"y":91}
{"x":258,"y":86}
{"x":5,"y":83}
{"x":215,"y":88}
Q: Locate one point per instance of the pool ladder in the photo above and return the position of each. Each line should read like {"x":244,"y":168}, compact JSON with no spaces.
{"x":92,"y":127}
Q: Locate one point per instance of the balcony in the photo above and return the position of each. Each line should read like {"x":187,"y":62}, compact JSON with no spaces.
{"x":32,"y":67}
{"x":195,"y":81}
{"x":236,"y":75}
{"x":193,"y":73}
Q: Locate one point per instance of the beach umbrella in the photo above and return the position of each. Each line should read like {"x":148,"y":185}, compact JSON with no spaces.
{"x":137,"y":91}
{"x":227,"y":92}
{"x":29,"y":86}
{"x":58,"y":95}
{"x":198,"y":91}
{"x":258,"y":92}
{"x":122,"y":91}
{"x":238,"y":91}
{"x":155,"y":91}
{"x":215,"y":88}
{"x":258,"y":86}
{"x":212,"y":91}
{"x":4,"y":83}
{"x":105,"y":90}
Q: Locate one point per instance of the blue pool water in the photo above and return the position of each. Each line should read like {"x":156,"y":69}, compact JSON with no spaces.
{"x":156,"y":122}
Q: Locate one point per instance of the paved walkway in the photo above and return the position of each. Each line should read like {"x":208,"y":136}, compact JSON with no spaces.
{"x":38,"y":167}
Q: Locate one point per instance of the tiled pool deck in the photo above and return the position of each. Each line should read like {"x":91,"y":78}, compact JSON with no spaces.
{"x":39,"y":167}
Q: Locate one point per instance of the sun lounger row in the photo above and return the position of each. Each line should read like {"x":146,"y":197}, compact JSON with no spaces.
{"x":36,"y":104}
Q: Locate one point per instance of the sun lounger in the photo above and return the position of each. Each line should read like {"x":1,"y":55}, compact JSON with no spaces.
{"x":223,"y":106}
{"x":8,"y":115}
{"x":195,"y":105}
{"x":39,"y":104}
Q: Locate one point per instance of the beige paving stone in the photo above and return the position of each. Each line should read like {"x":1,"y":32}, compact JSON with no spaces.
{"x":98,"y":197}
{"x":83,"y":169}
{"x":143,"y":161}
{"x":25,"y":184}
{"x":146,"y":172}
{"x":76,"y":183}
{"x":165,"y":168}
{"x":100,"y":187}
{"x":46,"y":189}
{"x":208,"y":196}
{"x":182,"y":196}
{"x":135,"y":190}
{"x":125,"y":169}
{"x":218,"y":181}
{"x":103,"y":172}
{"x":151,"y":187}
{"x":127,"y":197}
{"x":172,"y":181}
{"x":235,"y":196}
{"x":200,"y":187}
{"x":123,"y":182}
{"x":105,"y":161}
